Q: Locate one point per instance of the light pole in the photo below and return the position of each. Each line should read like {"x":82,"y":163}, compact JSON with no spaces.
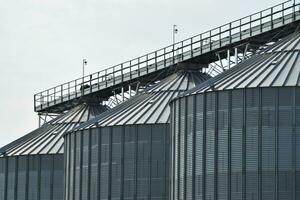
{"x":84,"y":62}
{"x":175,"y":30}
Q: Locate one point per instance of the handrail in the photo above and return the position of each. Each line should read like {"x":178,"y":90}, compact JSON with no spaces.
{"x":167,"y":56}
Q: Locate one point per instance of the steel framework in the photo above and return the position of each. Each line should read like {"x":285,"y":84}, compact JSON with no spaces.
{"x":207,"y":51}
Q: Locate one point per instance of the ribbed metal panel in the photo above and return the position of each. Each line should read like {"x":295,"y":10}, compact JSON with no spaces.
{"x":251,"y":152}
{"x":151,"y":106}
{"x":48,"y":138}
{"x":246,"y":130}
{"x":277,"y":66}
{"x":32,"y":167}
{"x":134,"y":147}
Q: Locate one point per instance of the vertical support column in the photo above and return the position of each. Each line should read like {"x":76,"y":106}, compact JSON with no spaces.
{"x":236,"y":55}
{"x":129,"y":88}
{"x":122,"y":91}
{"x":228,"y":58}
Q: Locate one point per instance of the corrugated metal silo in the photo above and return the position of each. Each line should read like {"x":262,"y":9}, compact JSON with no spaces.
{"x":237,"y":136}
{"x":32,"y":167}
{"x":124,"y":153}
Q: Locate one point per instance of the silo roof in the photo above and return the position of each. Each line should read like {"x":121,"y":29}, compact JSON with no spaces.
{"x":150,"y":106}
{"x":48,"y":138}
{"x":276,"y":66}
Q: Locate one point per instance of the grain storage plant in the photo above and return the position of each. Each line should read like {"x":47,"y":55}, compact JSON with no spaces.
{"x":32,"y":167}
{"x":237,"y":136}
{"x":124,"y":153}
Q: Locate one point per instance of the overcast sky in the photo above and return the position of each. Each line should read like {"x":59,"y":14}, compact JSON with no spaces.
{"x":43,"y":42}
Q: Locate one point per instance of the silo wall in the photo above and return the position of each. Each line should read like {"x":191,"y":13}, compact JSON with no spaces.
{"x":118,"y":162}
{"x":32,"y":177}
{"x":236,"y":144}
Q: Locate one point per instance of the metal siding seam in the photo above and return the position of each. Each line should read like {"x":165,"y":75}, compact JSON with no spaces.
{"x":204,"y":148}
{"x":51,"y":177}
{"x":65,"y":168}
{"x":260,"y":145}
{"x":179,"y":149}
{"x":167,"y":133}
{"x":294,"y":143}
{"x":194,"y":148}
{"x":122,"y":161}
{"x":16,"y":177}
{"x":216,"y":143}
{"x":80,"y":164}
{"x":150,"y":161}
{"x":89,"y":162}
{"x":27,"y":176}
{"x":39,"y":177}
{"x":173,"y":150}
{"x":6,"y":177}
{"x":74,"y":163}
{"x":110,"y":161}
{"x":244,"y":147}
{"x":276,"y":90}
{"x":185,"y":145}
{"x":135,"y":157}
{"x":229,"y":142}
{"x":98,"y":129}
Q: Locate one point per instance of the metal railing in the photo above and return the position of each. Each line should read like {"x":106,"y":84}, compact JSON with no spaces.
{"x":235,"y":31}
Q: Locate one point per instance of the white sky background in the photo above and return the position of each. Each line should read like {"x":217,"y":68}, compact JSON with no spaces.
{"x":43,"y":42}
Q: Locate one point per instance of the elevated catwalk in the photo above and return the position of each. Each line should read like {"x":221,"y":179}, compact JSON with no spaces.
{"x":249,"y":33}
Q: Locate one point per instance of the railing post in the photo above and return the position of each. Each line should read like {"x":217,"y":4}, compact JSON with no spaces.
{"x":114,"y":81}
{"x":98,"y":77}
{"x":261,"y":24}
{"x":76,"y":88}
{"x":201,"y":43}
{"x":139,"y":67}
{"x":105,"y":77}
{"x":47,"y":97}
{"x":220,"y":42}
{"x":165,"y":64}
{"x":55,"y":95}
{"x":240,"y":29}
{"x":130,"y":72}
{"x":69,"y":95}
{"x":61,"y":93}
{"x":173,"y":54}
{"x":182,"y":56}
{"x":210,"y":45}
{"x":147,"y":66}
{"x":272,"y":18}
{"x":282,"y":13}
{"x":294,"y":11}
{"x":122,"y":75}
{"x":155,"y":60}
{"x":250,"y":25}
{"x":91,"y":77}
{"x":230,"y":25}
{"x":34,"y":102}
{"x":192,"y":48}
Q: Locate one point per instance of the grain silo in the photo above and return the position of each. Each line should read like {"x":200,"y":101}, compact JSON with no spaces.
{"x":124,"y":153}
{"x":32,"y":167}
{"x":237,"y":136}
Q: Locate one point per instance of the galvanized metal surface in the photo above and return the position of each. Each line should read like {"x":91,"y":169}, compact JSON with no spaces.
{"x":48,"y":138}
{"x":151,"y":106}
{"x":276,"y":66}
